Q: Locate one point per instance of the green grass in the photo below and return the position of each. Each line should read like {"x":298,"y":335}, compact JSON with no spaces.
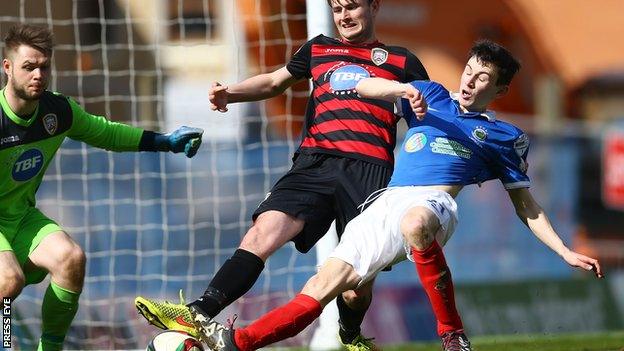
{"x":613,"y":341}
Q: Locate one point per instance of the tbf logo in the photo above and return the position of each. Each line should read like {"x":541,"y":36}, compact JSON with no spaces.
{"x":27,"y":165}
{"x":341,"y":76}
{"x":344,"y":79}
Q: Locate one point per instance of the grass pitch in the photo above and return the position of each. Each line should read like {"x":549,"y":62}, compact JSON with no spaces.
{"x":613,"y":341}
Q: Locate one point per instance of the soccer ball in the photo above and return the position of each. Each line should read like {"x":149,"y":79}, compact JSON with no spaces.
{"x":172,"y":340}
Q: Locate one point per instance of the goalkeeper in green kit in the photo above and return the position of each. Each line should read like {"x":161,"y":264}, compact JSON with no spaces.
{"x":33,"y":125}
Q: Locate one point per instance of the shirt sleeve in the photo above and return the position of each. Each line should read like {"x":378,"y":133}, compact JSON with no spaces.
{"x":513,"y":163}
{"x":104,"y":134}
{"x":299,"y":64}
{"x":414,"y":69}
{"x":424,"y":86}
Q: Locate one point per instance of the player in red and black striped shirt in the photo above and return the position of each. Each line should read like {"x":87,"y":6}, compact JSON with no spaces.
{"x":338,"y":121}
{"x":346,"y":154}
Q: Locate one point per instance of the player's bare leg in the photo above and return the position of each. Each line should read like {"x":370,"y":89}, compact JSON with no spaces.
{"x":64,"y":259}
{"x":60,"y":255}
{"x":419,"y":227}
{"x":334,"y":277}
{"x":270,"y":231}
{"x":12,"y":279}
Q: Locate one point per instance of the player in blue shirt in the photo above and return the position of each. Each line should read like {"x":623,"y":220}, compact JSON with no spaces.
{"x":458,"y":143}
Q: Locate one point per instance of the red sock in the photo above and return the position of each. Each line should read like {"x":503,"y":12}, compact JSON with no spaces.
{"x":279,"y":324}
{"x":435,"y":277}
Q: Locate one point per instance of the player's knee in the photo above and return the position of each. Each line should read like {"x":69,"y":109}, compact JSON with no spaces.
{"x":271,"y":231}
{"x":350,"y":296}
{"x":72,"y":259}
{"x":77,"y":257}
{"x":12,"y":282}
{"x":356,"y":300}
{"x":416,"y":231}
{"x":258,"y":242}
{"x":360,"y":298}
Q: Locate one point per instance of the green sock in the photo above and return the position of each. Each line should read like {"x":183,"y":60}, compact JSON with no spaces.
{"x":57,"y":312}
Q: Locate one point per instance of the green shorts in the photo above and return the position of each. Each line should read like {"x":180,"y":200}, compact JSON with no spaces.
{"x":22,"y":236}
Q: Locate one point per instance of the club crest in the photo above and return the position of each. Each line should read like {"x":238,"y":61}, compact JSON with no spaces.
{"x":480,"y":133}
{"x":521,"y":144}
{"x":379,"y":56}
{"x":50,"y":123}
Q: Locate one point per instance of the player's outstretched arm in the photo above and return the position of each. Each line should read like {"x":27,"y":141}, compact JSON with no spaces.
{"x":102,"y":133}
{"x":531,"y":213}
{"x":389,"y":90}
{"x":260,"y":87}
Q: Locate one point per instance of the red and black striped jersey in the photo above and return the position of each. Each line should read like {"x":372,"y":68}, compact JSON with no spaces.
{"x":338,"y":121}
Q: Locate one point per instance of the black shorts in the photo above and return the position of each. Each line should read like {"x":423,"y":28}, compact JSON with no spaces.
{"x":320,"y":188}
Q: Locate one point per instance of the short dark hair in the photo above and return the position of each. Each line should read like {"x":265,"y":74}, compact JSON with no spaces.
{"x":329,"y":2}
{"x":40,"y":38}
{"x":489,"y":52}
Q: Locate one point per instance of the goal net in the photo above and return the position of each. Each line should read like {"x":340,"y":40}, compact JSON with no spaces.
{"x":150,"y":223}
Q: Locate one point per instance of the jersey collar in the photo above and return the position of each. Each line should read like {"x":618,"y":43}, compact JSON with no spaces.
{"x":367,"y":45}
{"x":14,"y":117}
{"x":488,"y":114}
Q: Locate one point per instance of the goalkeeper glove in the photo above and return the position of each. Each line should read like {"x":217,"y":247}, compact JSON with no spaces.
{"x":184,"y":139}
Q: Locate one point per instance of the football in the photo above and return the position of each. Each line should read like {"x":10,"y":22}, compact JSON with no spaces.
{"x":172,"y":340}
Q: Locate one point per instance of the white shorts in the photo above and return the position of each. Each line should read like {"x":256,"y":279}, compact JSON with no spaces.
{"x":373,"y":240}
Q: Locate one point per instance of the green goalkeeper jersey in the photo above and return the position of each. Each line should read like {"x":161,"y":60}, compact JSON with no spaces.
{"x":27,"y":145}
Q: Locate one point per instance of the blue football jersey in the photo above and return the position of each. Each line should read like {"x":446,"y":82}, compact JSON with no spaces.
{"x":450,"y":147}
